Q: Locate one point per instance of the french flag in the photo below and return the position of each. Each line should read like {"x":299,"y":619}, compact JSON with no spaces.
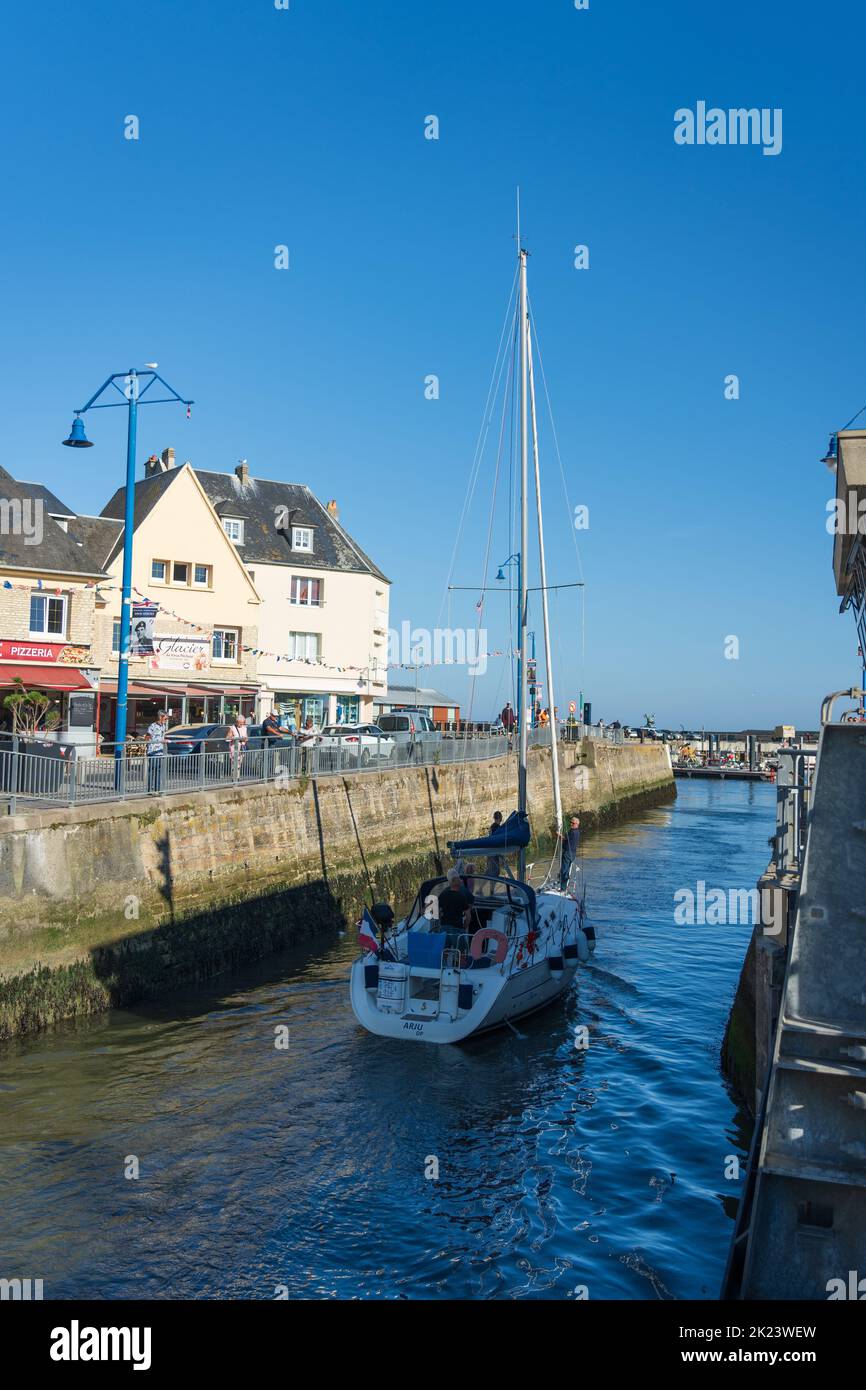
{"x":367,"y":933}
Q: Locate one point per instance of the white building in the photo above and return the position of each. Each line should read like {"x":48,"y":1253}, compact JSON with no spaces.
{"x":322,"y":639}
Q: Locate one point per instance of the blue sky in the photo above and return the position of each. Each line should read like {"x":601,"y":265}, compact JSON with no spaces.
{"x":306,"y":127}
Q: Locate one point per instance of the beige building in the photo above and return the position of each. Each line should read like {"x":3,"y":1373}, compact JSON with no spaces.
{"x":195,"y":608}
{"x":47,"y":609}
{"x":247,"y":595}
{"x":323,"y":623}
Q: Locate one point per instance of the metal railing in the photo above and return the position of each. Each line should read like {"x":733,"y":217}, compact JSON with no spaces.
{"x":35,"y":773}
{"x":793,"y":790}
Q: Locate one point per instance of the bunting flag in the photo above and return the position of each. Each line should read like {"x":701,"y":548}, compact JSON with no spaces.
{"x":104,"y":588}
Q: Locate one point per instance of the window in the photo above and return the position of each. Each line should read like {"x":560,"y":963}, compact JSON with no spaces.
{"x":225,"y":644}
{"x":307,"y":593}
{"x":305,"y":646}
{"x":234,"y":529}
{"x":201,"y":575}
{"x":302,"y":538}
{"x":159,"y":570}
{"x":252,"y":575}
{"x":47,"y":615}
{"x":180,"y":572}
{"x":115,"y":637}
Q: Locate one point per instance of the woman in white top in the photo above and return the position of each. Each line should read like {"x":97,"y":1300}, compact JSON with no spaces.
{"x":237,"y":735}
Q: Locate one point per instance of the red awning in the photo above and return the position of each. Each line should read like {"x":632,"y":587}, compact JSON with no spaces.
{"x":139,"y":688}
{"x":224,"y":689}
{"x":45,"y":677}
{"x":136,"y":688}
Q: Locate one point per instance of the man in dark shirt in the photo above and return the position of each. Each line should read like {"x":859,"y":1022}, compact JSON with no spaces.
{"x":454,"y":907}
{"x":271,"y":730}
{"x":570,"y":847}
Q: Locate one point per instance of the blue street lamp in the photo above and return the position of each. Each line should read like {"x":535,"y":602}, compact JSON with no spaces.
{"x":515,"y":560}
{"x":132,"y":393}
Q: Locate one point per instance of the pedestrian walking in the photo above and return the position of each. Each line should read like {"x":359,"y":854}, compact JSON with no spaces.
{"x":155,"y":750}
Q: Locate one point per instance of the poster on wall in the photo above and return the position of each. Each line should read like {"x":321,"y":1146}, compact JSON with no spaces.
{"x":180,"y":652}
{"x":141,"y":632}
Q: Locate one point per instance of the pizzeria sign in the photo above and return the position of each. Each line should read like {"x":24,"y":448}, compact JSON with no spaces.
{"x":44,"y":651}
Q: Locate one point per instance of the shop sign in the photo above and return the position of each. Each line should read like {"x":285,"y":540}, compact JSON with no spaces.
{"x":180,"y":652}
{"x":44,"y":651}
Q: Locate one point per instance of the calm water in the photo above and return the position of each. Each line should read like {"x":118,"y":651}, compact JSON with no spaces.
{"x":305,"y":1167}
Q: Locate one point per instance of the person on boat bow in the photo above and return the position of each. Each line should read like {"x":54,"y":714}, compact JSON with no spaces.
{"x":493,"y":867}
{"x":570,"y":847}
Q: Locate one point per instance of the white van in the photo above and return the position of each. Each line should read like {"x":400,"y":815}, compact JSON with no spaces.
{"x":413,"y":726}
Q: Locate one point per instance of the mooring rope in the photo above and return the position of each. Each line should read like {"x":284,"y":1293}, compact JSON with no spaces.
{"x":439,"y":868}
{"x":360,"y":846}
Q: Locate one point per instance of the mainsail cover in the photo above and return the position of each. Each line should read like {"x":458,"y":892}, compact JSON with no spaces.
{"x":512,"y":834}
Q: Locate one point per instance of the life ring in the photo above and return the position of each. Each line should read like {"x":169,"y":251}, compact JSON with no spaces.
{"x":481,"y":937}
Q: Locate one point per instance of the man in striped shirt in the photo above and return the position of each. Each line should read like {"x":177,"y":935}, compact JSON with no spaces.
{"x":156,"y":751}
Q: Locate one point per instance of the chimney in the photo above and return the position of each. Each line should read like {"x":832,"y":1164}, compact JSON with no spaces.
{"x":152,"y":465}
{"x":333,"y":513}
{"x":243,"y":472}
{"x":167,"y":459}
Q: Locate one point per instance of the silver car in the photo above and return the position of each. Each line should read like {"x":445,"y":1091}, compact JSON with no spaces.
{"x":414,"y":733}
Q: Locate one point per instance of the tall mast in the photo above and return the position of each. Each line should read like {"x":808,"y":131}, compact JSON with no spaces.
{"x":524,"y":538}
{"x":557,"y":798}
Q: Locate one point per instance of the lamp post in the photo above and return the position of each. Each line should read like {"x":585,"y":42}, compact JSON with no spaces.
{"x":515,"y":560}
{"x":532,"y":684}
{"x":132,"y":393}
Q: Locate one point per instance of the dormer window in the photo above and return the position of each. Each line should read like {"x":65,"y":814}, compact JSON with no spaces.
{"x":234,"y":529}
{"x":302,"y":538}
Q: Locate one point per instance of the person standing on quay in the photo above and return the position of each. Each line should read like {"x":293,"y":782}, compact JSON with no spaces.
{"x":156,"y":751}
{"x":236,"y":737}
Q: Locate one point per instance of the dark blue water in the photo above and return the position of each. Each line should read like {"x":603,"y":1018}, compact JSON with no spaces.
{"x":305,"y":1167}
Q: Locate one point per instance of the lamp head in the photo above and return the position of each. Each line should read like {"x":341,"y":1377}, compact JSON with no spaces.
{"x":501,"y":575}
{"x":77,"y":438}
{"x":831,"y":457}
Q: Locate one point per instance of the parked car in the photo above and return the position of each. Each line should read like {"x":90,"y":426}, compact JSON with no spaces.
{"x":361,"y":743}
{"x":410,"y":726}
{"x":197,"y":738}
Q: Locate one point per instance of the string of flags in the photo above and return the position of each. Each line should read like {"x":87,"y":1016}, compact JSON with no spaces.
{"x":312,"y":661}
{"x":260,"y":651}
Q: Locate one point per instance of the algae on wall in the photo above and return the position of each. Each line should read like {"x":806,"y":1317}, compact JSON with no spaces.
{"x":218,"y":880}
{"x":194,"y":947}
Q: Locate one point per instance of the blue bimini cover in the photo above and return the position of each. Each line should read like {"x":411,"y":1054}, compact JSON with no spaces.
{"x":512,"y":834}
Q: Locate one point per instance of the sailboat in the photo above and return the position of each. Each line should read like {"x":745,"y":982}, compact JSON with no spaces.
{"x":517,"y":948}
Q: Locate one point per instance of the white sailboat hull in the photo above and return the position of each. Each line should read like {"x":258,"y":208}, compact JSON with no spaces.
{"x":398,"y":1000}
